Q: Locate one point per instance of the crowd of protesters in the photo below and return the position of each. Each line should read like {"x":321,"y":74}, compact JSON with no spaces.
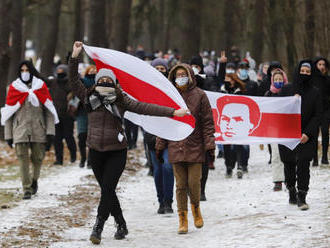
{"x":95,"y":100}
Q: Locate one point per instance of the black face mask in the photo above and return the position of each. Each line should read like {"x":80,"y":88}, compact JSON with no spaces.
{"x":165,"y":73}
{"x":91,"y":76}
{"x":61,"y":75}
{"x":303,"y":78}
{"x":103,"y":84}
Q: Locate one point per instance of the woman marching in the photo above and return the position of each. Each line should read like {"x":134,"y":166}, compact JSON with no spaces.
{"x":188,"y":155}
{"x":297,"y":162}
{"x":106,"y":104}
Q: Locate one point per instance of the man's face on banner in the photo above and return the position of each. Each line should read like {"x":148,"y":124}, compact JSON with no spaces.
{"x":235,"y":121}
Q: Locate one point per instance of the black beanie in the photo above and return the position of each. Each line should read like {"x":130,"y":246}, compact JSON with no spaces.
{"x":197,"y":60}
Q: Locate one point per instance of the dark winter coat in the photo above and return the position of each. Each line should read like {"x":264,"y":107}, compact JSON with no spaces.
{"x":311,"y":113}
{"x":322,"y":83}
{"x":59,"y":90}
{"x":104,"y":128}
{"x":193,"y":148}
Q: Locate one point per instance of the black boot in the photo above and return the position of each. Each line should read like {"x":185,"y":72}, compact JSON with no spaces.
{"x":202,"y":197}
{"x":97,"y":231}
{"x":121,"y":227}
{"x":292,"y":195}
{"x":168,"y":207}
{"x":229,"y":172}
{"x":27,"y":195}
{"x":82,"y":164}
{"x":161,"y":209}
{"x":301,"y":200}
{"x":34,"y":186}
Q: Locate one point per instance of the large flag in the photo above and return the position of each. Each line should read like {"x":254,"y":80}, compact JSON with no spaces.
{"x":144,"y":83}
{"x":19,"y":92}
{"x":256,"y":120}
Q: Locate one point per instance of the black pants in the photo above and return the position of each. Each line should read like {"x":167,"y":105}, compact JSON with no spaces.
{"x":108,"y":167}
{"x":233,"y":154}
{"x":64,"y":130}
{"x":297,"y":172}
{"x":325,"y":139}
{"x":131,"y":131}
{"x":82,"y":137}
{"x":205,"y":174}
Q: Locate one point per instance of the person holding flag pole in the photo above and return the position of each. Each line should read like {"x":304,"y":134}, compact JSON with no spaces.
{"x":106,"y":104}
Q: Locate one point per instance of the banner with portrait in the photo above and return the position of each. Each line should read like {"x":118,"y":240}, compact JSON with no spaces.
{"x":242,"y":119}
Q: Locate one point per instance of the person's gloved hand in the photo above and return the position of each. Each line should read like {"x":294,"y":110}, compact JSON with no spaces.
{"x":159,"y":156}
{"x":10,"y":143}
{"x":49,"y":142}
{"x":210,"y":155}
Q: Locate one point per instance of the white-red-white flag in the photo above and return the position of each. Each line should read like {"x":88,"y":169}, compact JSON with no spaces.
{"x":144,"y":83}
{"x":256,"y":120}
{"x":19,"y":92}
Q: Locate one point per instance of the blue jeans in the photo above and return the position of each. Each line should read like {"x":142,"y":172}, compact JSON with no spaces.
{"x":163,"y":176}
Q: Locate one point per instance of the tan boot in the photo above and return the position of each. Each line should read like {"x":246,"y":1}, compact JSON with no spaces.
{"x":183,"y":222}
{"x":198,"y":219}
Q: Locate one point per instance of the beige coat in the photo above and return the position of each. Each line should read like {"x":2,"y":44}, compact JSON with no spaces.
{"x":30,"y":124}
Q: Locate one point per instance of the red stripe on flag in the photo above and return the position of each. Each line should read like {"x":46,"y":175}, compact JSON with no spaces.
{"x":145,"y":92}
{"x":15,"y":96}
{"x":273,"y":125}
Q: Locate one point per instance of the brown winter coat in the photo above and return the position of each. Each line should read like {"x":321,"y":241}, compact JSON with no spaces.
{"x":103,"y":126}
{"x":193,"y":148}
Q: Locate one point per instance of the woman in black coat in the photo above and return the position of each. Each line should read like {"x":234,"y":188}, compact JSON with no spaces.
{"x":296,"y":162}
{"x":321,"y":81}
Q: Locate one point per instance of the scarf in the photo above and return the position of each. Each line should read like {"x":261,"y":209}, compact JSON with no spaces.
{"x":19,"y":92}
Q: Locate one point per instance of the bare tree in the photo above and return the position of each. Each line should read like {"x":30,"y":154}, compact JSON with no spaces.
{"x":191,"y":28}
{"x":258,"y":30}
{"x":97,"y":31}
{"x":309,"y":28}
{"x":5,"y":6}
{"x":78,"y":21}
{"x":121,"y":24}
{"x":16,"y":23}
{"x":51,"y":30}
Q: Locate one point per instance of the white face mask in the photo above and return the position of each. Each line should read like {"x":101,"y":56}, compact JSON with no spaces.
{"x":181,"y":81}
{"x":196,"y":71}
{"x":229,"y":71}
{"x":25,"y":76}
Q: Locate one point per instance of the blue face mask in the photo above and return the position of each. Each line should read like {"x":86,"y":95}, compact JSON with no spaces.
{"x":243,"y":74}
{"x":278,"y":85}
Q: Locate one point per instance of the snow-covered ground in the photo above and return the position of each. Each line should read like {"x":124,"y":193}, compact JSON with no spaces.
{"x":237,"y":213}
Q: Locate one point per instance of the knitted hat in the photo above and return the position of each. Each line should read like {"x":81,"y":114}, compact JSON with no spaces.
{"x":197,"y":60}
{"x":105,"y":73}
{"x":160,"y":61}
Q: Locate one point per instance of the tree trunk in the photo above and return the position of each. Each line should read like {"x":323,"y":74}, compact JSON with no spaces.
{"x":50,"y":39}
{"x":310,"y":28}
{"x":109,"y":20}
{"x":289,"y":17}
{"x":121,"y":24}
{"x":97,"y":31}
{"x":258,"y":31}
{"x":191,"y":28}
{"x":16,"y":24}
{"x":5,"y":6}
{"x":78,"y":21}
{"x":273,"y":29}
{"x":230,"y":24}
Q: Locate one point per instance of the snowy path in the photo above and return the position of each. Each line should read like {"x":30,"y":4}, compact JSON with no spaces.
{"x":238,"y":213}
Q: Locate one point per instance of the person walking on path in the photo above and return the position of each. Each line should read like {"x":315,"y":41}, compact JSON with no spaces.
{"x":29,"y":118}
{"x":106,"y":104}
{"x":188,"y":155}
